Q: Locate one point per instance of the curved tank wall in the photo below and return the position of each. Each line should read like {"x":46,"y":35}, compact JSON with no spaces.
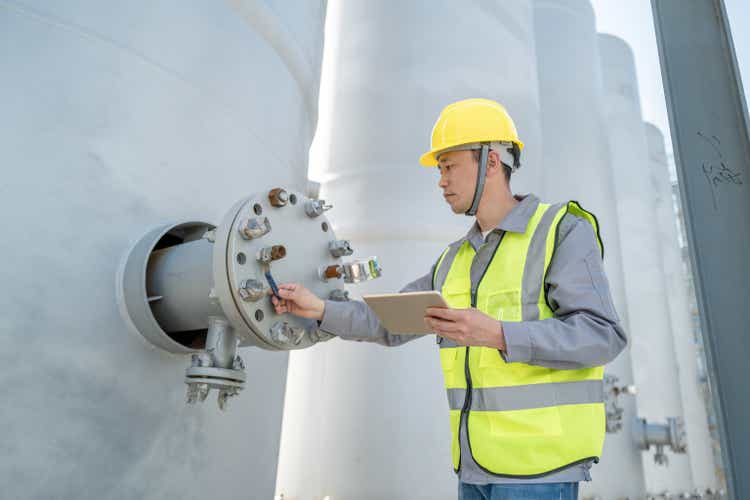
{"x":652,"y":352}
{"x":117,"y":118}
{"x":575,"y":160}
{"x":685,"y":344}
{"x":380,"y":414}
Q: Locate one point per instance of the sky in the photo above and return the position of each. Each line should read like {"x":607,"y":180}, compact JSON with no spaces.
{"x":632,"y":21}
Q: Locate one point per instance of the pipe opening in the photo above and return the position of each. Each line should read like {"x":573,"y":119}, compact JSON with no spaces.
{"x":178,"y":283}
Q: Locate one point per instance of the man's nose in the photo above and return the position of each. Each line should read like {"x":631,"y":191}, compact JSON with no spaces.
{"x":442,"y":182}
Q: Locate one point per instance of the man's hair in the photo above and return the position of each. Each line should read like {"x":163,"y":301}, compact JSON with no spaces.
{"x":476,"y":153}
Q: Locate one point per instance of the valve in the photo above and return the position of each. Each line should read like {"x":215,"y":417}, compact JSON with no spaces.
{"x":671,"y":434}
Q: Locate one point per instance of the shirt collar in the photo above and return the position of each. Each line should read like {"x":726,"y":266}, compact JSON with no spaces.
{"x":516,"y":220}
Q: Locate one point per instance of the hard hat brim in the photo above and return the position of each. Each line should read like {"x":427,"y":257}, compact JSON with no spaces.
{"x":429,"y":159}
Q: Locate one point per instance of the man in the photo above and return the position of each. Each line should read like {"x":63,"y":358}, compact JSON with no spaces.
{"x":530,"y":325}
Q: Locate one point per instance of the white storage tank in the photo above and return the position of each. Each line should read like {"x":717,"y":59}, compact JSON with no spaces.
{"x":654,"y":363}
{"x":694,"y":396}
{"x":575,"y":165}
{"x":366,"y":421}
{"x":119,"y":117}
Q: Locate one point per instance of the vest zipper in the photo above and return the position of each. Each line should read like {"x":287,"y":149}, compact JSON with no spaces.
{"x":467,"y":371}
{"x":467,"y":398}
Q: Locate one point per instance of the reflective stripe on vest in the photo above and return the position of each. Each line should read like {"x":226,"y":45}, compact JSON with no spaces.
{"x":523,"y":420}
{"x":522,"y":397}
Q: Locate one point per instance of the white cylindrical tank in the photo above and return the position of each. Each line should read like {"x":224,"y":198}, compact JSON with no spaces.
{"x":117,"y":118}
{"x":365,"y":421}
{"x":654,"y":363}
{"x":693,"y":401}
{"x":575,"y":165}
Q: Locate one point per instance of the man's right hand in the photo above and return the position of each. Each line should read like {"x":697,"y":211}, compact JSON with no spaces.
{"x":298,"y":300}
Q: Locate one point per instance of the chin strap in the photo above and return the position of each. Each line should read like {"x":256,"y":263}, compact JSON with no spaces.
{"x":481,"y":176}
{"x":516,"y":152}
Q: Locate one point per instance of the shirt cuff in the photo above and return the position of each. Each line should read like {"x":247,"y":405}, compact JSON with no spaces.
{"x":517,"y":343}
{"x":333,"y":318}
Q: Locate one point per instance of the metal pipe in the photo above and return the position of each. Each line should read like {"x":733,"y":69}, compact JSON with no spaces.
{"x":178,"y":282}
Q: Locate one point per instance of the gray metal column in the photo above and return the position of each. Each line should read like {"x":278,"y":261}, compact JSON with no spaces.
{"x":709,"y":123}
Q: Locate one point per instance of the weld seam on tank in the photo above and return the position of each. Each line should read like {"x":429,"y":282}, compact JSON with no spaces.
{"x":266,"y":23}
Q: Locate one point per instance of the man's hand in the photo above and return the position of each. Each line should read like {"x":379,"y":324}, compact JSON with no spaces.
{"x":466,"y":327}
{"x":298,"y":300}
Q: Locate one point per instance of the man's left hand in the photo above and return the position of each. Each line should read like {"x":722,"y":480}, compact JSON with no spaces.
{"x":466,"y":327}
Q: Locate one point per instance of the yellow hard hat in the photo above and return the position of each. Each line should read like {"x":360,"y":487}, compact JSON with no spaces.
{"x":470,"y":121}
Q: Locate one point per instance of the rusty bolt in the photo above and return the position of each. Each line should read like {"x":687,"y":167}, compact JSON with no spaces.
{"x":269,"y":254}
{"x":278,"y":197}
{"x":333,"y":272}
{"x":278,"y":252}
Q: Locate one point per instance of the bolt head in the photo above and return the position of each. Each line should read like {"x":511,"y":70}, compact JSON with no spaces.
{"x":238,"y":363}
{"x":251,"y":290}
{"x":254,"y":227}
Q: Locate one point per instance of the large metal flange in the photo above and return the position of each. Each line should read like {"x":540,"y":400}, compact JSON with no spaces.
{"x":274,"y":233}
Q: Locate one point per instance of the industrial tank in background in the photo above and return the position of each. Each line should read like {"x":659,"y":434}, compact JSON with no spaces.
{"x":117,"y":118}
{"x":659,"y":400}
{"x":362,"y":420}
{"x":693,"y":390}
{"x":575,"y":163}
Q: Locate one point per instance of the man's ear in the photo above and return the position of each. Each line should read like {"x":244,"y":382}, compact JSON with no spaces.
{"x":494,"y":166}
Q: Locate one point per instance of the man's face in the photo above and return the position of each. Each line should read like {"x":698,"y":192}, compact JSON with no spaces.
{"x":458,"y":178}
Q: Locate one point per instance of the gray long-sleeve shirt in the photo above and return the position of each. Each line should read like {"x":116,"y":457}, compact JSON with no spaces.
{"x":584,"y":331}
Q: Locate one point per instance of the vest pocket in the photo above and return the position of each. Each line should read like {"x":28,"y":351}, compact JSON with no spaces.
{"x":536,"y":422}
{"x":490,"y":358}
{"x":515,"y":442}
{"x":448,"y":358}
{"x":453,"y":369}
{"x":504,"y":305}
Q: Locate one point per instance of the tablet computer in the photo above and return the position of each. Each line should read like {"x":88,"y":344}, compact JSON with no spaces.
{"x":403,"y":313}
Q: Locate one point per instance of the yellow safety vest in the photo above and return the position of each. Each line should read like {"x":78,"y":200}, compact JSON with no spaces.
{"x":523,"y":420}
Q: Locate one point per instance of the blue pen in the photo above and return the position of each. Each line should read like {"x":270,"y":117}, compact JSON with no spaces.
{"x":272,"y":284}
